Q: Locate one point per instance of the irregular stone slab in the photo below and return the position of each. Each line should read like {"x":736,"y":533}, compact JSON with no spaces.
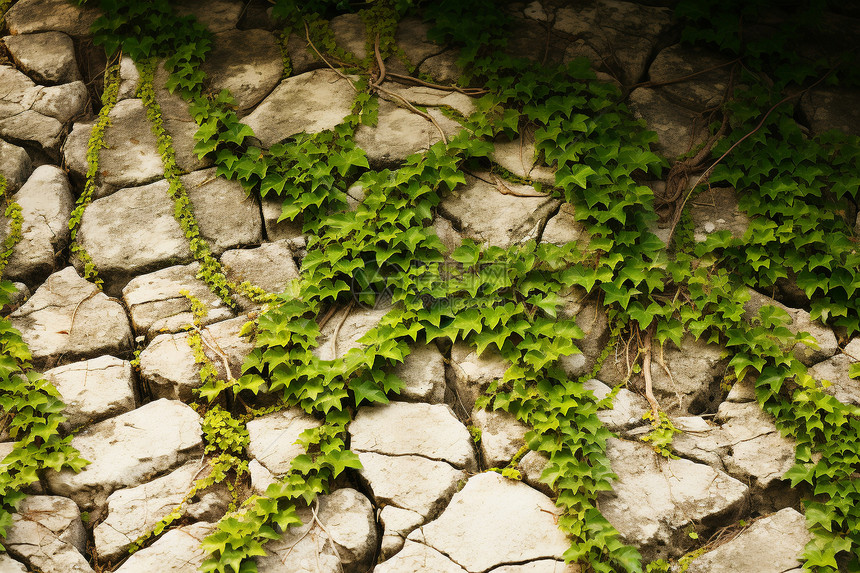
{"x":269,"y":266}
{"x":227,"y":216}
{"x":591,"y":318}
{"x":428,"y":430}
{"x":47,"y":533}
{"x":716,"y":209}
{"x":397,"y":524}
{"x":168,"y":367}
{"x":515,"y":219}
{"x":563,"y":228}
{"x":9,"y":565}
{"x":400,"y":133}
{"x":30,"y":112}
{"x":217,"y":15}
{"x":279,"y":230}
{"x":627,"y":407}
{"x":747,"y":446}
{"x":493,"y":521}
{"x":773,"y":544}
{"x":133,"y":512}
{"x":502,"y":436}
{"x":15,"y":165}
{"x":358,"y":322}
{"x":703,"y":91}
{"x":129,"y":79}
{"x":261,"y":478}
{"x":800,"y":322}
{"x":348,"y":519}
{"x":836,"y":370}
{"x":47,"y":57}
{"x":246,"y":62}
{"x":349,"y":34}
{"x":423,"y":375}
{"x":676,"y":126}
{"x":531,"y":468}
{"x":93,"y":390}
{"x":155,"y":305}
{"x":302,"y":57}
{"x":177,"y":551}
{"x":418,"y":558}
{"x":694,"y":388}
{"x":471,"y":374}
{"x":411,"y":37}
{"x":442,"y":67}
{"x":129,"y":450}
{"x":131,"y":156}
{"x":518,"y":157}
{"x":616,"y":36}
{"x":273,"y":438}
{"x":311,"y":102}
{"x":655,"y":501}
{"x":46,"y":202}
{"x":28,"y":16}
{"x":832,"y":108}
{"x":133,"y":232}
{"x":54,"y":333}
{"x":410,"y":482}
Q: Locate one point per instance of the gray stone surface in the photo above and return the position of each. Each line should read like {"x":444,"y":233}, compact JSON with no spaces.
{"x":217,"y":15}
{"x":133,"y":232}
{"x":502,"y":436}
{"x":310,"y":102}
{"x":133,"y":512}
{"x":9,"y":565}
{"x":269,"y":266}
{"x":396,"y":524}
{"x":357,"y":322}
{"x":15,"y":165}
{"x":47,"y":57}
{"x":54,"y":333}
{"x":616,"y":36}
{"x":415,"y":483}
{"x":273,"y":438}
{"x":156,"y":306}
{"x":470,"y":374}
{"x":94,"y":389}
{"x":832,"y":108}
{"x":47,"y":533}
{"x":770,"y":545}
{"x":46,"y":202}
{"x":246,"y":62}
{"x":129,"y":450}
{"x":168,"y":368}
{"x":656,"y":501}
{"x":700,"y":92}
{"x":515,"y":219}
{"x":428,"y":430}
{"x":694,"y":387}
{"x":423,"y":375}
{"x":129,"y":78}
{"x":716,"y":209}
{"x":28,"y":16}
{"x":177,"y":551}
{"x":279,"y":230}
{"x":540,"y":566}
{"x":348,"y":527}
{"x":349,"y":34}
{"x":747,"y":446}
{"x":837,"y":370}
{"x":562,"y":228}
{"x":34,"y":113}
{"x":678,"y":129}
{"x":494,"y":521}
{"x":800,"y":322}
{"x":418,"y":558}
{"x":627,"y":407}
{"x":227,"y":216}
{"x":131,"y":156}
{"x":518,"y":157}
{"x":531,"y":468}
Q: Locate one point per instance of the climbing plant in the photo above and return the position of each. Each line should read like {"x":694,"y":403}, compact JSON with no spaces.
{"x":797,"y":190}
